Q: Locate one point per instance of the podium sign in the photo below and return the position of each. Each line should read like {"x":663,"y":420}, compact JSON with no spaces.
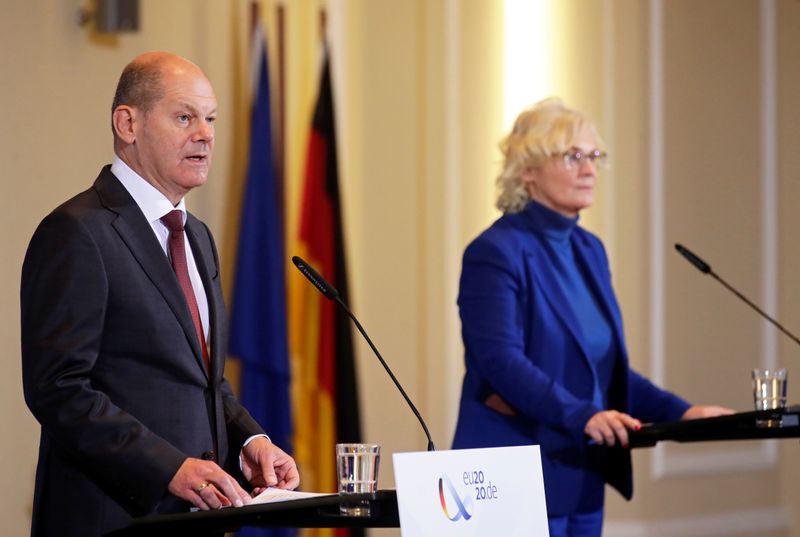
{"x":471,"y":492}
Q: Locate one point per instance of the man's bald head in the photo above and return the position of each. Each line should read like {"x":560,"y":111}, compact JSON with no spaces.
{"x":141,"y":84}
{"x":163,"y":121}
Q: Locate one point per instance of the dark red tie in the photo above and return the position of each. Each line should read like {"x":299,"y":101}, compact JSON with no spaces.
{"x":177,"y":254}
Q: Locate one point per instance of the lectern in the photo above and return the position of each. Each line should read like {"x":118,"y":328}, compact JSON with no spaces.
{"x":323,"y":511}
{"x":757,"y":425}
{"x":318,"y":512}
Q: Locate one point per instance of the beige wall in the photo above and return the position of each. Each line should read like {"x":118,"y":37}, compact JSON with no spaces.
{"x":420,"y":89}
{"x":707,"y":149}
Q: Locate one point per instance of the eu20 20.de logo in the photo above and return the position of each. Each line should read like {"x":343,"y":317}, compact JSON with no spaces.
{"x":459,"y":505}
{"x":456,"y":505}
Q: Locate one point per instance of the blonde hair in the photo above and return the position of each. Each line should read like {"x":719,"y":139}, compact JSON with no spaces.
{"x":545,"y":129}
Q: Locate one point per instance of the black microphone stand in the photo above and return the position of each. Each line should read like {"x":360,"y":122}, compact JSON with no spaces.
{"x":705,"y":268}
{"x":330,"y":292}
{"x":431,"y":447}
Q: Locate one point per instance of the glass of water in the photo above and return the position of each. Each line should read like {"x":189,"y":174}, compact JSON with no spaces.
{"x":357,"y":470}
{"x":769,"y":388}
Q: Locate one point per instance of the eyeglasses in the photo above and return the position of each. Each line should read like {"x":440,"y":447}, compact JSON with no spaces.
{"x":574,"y":158}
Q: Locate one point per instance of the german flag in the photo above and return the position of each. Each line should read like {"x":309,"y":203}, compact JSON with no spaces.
{"x":325,"y":398}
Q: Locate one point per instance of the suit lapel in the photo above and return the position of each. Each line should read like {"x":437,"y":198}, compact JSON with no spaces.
{"x":544,"y":274}
{"x":136,"y":232}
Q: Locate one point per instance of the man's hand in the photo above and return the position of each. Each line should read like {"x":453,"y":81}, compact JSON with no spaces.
{"x":695,"y":412}
{"x":608,"y":426}
{"x":266,"y":465}
{"x":207,"y":486}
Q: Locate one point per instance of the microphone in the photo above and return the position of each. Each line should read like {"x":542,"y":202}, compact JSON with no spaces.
{"x":331,"y":293}
{"x":705,"y":268}
{"x":313,"y":276}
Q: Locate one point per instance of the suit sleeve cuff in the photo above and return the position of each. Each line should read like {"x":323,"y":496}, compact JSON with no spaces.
{"x":250,"y":439}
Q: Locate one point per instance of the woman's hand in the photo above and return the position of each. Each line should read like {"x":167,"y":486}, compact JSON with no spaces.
{"x":609,"y":426}
{"x":696,"y":412}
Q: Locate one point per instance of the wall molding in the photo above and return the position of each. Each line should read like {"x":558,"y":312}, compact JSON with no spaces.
{"x":439,"y":205}
{"x":453,"y":205}
{"x":758,"y":455}
{"x":609,"y":108}
{"x":751,"y":522}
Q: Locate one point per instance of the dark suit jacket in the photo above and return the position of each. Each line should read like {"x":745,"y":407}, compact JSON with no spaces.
{"x":523,"y":342}
{"x":112,"y":368}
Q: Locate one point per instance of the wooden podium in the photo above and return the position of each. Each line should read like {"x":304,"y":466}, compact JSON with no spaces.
{"x":757,"y":425}
{"x":318,"y":512}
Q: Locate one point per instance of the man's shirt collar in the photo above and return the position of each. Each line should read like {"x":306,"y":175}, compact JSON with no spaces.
{"x":150,"y":200}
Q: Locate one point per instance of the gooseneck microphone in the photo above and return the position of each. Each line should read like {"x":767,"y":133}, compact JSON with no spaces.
{"x":705,"y":268}
{"x":331,"y":293}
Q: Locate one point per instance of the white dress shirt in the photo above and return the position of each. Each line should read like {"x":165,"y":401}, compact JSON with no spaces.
{"x":154,"y":205}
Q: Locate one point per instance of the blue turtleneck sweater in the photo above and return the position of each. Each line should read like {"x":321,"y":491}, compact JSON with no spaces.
{"x":593,"y":322}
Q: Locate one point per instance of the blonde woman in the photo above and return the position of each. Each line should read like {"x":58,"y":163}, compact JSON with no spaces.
{"x":546,"y":361}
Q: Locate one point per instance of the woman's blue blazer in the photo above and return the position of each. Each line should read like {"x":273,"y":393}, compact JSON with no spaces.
{"x":522,"y":342}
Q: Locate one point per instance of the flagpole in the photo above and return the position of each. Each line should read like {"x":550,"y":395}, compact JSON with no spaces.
{"x":280,"y":141}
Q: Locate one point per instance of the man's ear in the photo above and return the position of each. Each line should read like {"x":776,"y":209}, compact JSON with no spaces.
{"x":123,"y":119}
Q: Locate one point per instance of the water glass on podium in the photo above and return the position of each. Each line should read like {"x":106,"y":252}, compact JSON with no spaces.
{"x":357,"y":471}
{"x":769,"y":392}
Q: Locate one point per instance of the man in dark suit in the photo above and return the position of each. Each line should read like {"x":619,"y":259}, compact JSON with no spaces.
{"x":123,"y":328}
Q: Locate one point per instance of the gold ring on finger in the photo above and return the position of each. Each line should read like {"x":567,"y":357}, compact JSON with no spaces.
{"x":201,"y":487}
